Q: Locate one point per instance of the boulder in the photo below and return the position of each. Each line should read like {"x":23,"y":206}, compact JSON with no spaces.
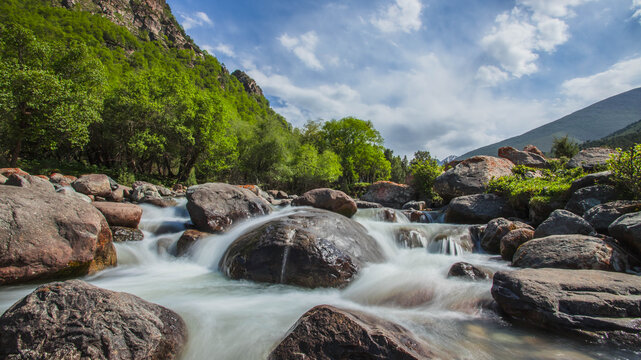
{"x":215,"y":207}
{"x":512,"y":240}
{"x":601,"y":216}
{"x":48,"y":235}
{"x":120,"y":214}
{"x":76,"y":320}
{"x":586,"y":198}
{"x":478,"y":209}
{"x":277,"y":194}
{"x":3,"y":179}
{"x":257,"y":191}
{"x":571,"y":252}
{"x":471,"y":176}
{"x":187,"y":240}
{"x":8,"y":171}
{"x":540,"y":210}
{"x":367,"y":205}
{"x":526,"y":158}
{"x":28,"y":181}
{"x":496,"y":229}
{"x":310,"y":248}
{"x":533,"y":149}
{"x":389,"y":194}
{"x":328,"y":333}
{"x":163,"y":203}
{"x":125,"y":234}
{"x":62,"y":180}
{"x":469,"y":271}
{"x":414,"y":205}
{"x":591,"y":159}
{"x":601,"y":306}
{"x":328,"y":199}
{"x":120,"y":193}
{"x":600,"y":178}
{"x":627,"y":229}
{"x":93,"y":184}
{"x":144,"y":192}
{"x":563,"y":222}
{"x":69,"y":191}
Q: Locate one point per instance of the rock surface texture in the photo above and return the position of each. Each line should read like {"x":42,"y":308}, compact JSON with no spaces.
{"x":627,"y":229}
{"x":120,"y":214}
{"x":389,"y":194}
{"x":586,"y":198}
{"x":93,"y":184}
{"x":591,"y":159}
{"x":328,"y":199}
{"x":602,"y":216}
{"x":76,"y":320}
{"x":526,"y":158}
{"x":471,"y":176}
{"x":496,"y":229}
{"x":563,"y":222}
{"x":478,"y":209}
{"x":469,"y":271}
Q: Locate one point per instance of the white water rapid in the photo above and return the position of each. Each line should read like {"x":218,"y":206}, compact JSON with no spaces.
{"x":243,"y":320}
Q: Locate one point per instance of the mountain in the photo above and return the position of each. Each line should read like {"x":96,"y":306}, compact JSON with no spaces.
{"x":623,"y":138}
{"x":447,"y":160}
{"x":590,"y":123}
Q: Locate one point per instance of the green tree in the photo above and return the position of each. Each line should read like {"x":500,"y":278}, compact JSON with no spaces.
{"x":626,"y":170}
{"x":399,"y":168}
{"x":313,"y":170}
{"x":424,"y":169}
{"x":564,"y":147}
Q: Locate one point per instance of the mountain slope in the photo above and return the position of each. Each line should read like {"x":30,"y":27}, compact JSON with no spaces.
{"x":623,"y":138}
{"x":586,"y":124}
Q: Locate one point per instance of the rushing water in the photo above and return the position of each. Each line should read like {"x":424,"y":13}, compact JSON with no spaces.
{"x":245,"y":320}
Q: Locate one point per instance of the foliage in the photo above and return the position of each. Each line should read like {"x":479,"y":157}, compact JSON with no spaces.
{"x":625,"y":138}
{"x":626,"y":170}
{"x":424,"y":169}
{"x":564,"y":147}
{"x":399,"y":168}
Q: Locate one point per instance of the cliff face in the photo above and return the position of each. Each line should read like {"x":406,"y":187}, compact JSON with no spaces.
{"x":153,"y":17}
{"x":250,"y":84}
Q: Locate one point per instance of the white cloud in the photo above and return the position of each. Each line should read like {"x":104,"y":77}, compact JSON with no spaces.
{"x":636,"y":7}
{"x":490,"y":75}
{"x":221,"y":48}
{"x":404,"y":15}
{"x":620,"y":77}
{"x":197,"y":19}
{"x":303,"y":47}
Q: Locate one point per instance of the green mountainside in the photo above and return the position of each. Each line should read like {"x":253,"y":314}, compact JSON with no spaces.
{"x":589,"y":123}
{"x":624,"y":138}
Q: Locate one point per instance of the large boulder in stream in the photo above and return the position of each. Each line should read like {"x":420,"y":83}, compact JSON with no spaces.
{"x":328,"y":199}
{"x":76,"y":320}
{"x":215,"y":207}
{"x":603,"y":306}
{"x":496,"y":229}
{"x":49,"y":235}
{"x":478,"y":209}
{"x":93,"y":184}
{"x":120,"y":214}
{"x":329,"y":333}
{"x":389,"y":194}
{"x":310,"y":248}
{"x":471,"y":176}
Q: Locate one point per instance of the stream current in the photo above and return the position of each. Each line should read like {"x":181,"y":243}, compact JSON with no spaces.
{"x":229,"y":319}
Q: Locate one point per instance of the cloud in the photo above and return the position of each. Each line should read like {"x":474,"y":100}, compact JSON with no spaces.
{"x":622,"y":76}
{"x":197,"y":19}
{"x":491,"y":75}
{"x":636,"y":7}
{"x":404,"y":15}
{"x":303,"y":47}
{"x":221,"y":48}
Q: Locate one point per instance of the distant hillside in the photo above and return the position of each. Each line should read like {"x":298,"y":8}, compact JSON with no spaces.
{"x":623,"y":138}
{"x":586,"y":124}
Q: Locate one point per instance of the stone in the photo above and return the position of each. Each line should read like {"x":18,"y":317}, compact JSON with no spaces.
{"x":62,"y":180}
{"x":591,"y":159}
{"x":277,"y":194}
{"x":533,"y":149}
{"x":215,"y":207}
{"x":389,"y":194}
{"x":512,"y":240}
{"x":471,"y":176}
{"x":539,"y":210}
{"x":571,"y":252}
{"x":120,"y":193}
{"x":496,"y":229}
{"x":600,"y":178}
{"x":328,"y":333}
{"x":367,"y":205}
{"x":187,"y":240}
{"x":525,"y":158}
{"x":601,"y":306}
{"x":478,"y":209}
{"x":28,"y":181}
{"x":603,"y":215}
{"x":3,"y":179}
{"x":93,"y":184}
{"x":8,"y":171}
{"x":414,"y":205}
{"x":125,"y":234}
{"x":627,"y":229}
{"x":120,"y":214}
{"x":163,"y":203}
{"x":327,"y":199}
{"x":586,"y":198}
{"x":47,"y":235}
{"x":69,"y":191}
{"x":76,"y":320}
{"x":469,"y":272}
{"x":309,"y":248}
{"x":144,"y":192}
{"x":563,"y":222}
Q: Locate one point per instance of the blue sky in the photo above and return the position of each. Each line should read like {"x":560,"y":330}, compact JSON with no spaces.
{"x":445,"y":76}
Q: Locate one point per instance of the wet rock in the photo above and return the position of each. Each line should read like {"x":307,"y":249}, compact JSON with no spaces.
{"x":187,"y":240}
{"x":496,"y":229}
{"x":125,"y":234}
{"x":603,"y":215}
{"x":571,"y":252}
{"x":32,"y":182}
{"x":163,"y":191}
{"x":310,"y":248}
{"x":48,"y":235}
{"x":367,"y":205}
{"x":389,"y":194}
{"x":93,"y":184}
{"x":512,"y":240}
{"x":414,"y":205}
{"x":144,"y":192}
{"x":601,"y":306}
{"x":410,"y":238}
{"x":471,"y":176}
{"x":277,"y":194}
{"x":166,"y":246}
{"x":469,"y":271}
{"x":591,"y":159}
{"x":627,"y":229}
{"x":327,"y":199}
{"x":76,"y":320}
{"x":562,"y":222}
{"x":329,"y":333}
{"x":526,"y":158}
{"x":478,"y":209}
{"x":120,"y":214}
{"x":215,"y":207}
{"x":163,"y":203}
{"x":600,"y":178}
{"x":416,"y":216}
{"x":586,"y":198}
{"x":281,"y":202}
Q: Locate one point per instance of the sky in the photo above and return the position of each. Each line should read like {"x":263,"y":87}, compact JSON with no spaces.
{"x":446,"y":76}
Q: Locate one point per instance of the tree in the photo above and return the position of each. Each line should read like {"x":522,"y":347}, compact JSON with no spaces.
{"x":313,"y":170}
{"x":399,"y":168}
{"x":564,"y":147}
{"x":626,"y":170}
{"x":424,"y":169}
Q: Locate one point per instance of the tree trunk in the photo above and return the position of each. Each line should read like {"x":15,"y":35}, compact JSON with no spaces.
{"x":15,"y":153}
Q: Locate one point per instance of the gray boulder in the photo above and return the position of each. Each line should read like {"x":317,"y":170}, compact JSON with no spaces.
{"x":496,"y":229}
{"x":562,"y":222}
{"x":120,"y":214}
{"x":328,"y":199}
{"x":125,"y":234}
{"x":586,"y":198}
{"x":469,"y":271}
{"x":600,"y":178}
{"x":478,"y":209}
{"x":144,"y":192}
{"x":591,"y":159}
{"x":29,"y":181}
{"x":627,"y":229}
{"x":601,"y":216}
{"x":93,"y":184}
{"x":512,"y":240}
{"x":367,"y":205}
{"x":526,"y":158}
{"x":601,"y":306}
{"x":76,"y":320}
{"x":389,"y":194}
{"x":471,"y":176}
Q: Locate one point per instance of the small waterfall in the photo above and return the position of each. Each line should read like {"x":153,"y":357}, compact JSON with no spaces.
{"x":288,"y":244}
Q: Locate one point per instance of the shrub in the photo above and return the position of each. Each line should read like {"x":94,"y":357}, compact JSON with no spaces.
{"x":564,"y":147}
{"x":626,"y":170}
{"x":424,"y":169}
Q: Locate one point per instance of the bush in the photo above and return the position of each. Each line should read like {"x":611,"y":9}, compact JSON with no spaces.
{"x":626,"y":170}
{"x":564,"y":147}
{"x":424,"y":169}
